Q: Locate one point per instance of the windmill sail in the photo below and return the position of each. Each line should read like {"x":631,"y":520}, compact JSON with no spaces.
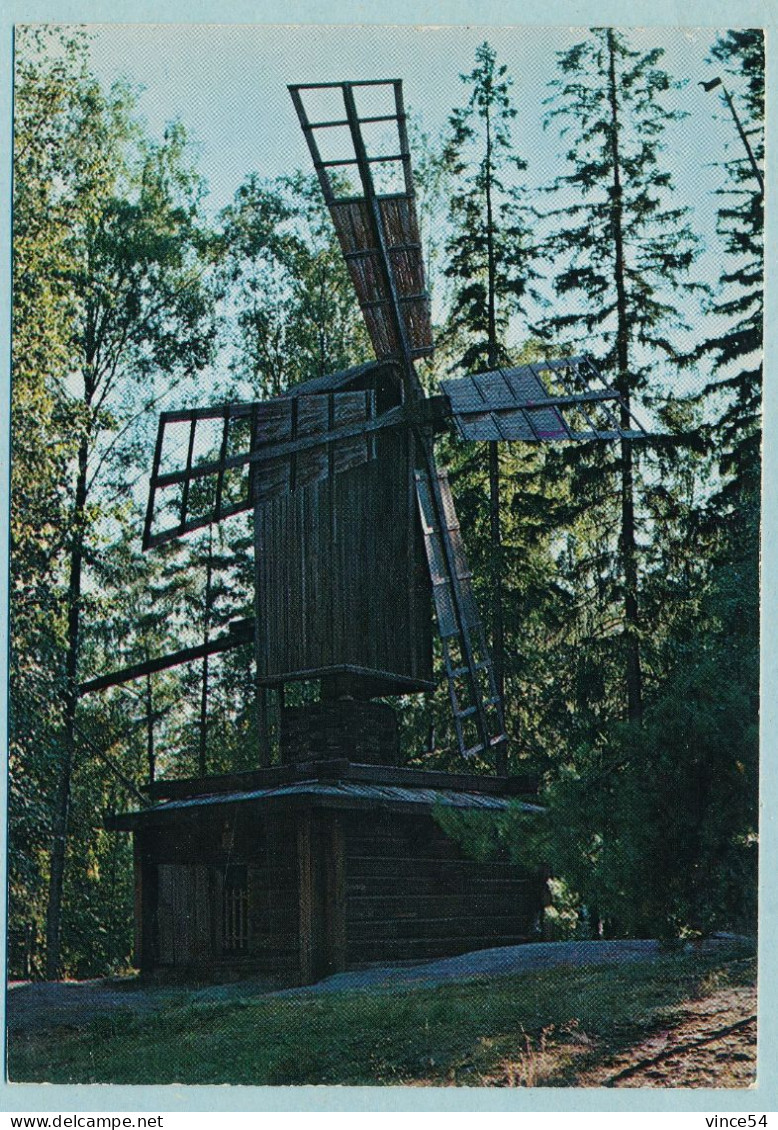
{"x":374,"y":211}
{"x":545,"y":402}
{"x":211,"y":463}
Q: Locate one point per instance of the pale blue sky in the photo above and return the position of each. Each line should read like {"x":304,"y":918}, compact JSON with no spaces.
{"x":227,"y":83}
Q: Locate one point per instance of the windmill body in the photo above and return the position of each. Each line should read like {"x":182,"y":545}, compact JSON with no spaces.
{"x":332,"y":859}
{"x":343,"y":591}
{"x":340,"y":471}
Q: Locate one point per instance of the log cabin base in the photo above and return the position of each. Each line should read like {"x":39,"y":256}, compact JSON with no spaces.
{"x":300,"y":871}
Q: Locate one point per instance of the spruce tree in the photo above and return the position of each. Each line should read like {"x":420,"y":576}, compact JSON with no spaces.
{"x":622,"y":249}
{"x":737,"y":349}
{"x":489,"y":264}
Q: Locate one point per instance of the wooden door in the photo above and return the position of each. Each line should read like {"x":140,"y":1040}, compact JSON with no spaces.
{"x":184,"y":914}
{"x":322,"y":920}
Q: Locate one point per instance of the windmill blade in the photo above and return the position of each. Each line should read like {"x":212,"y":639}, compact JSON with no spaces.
{"x":374,"y":211}
{"x":211,"y":463}
{"x":544,"y":402}
{"x":476,"y":705}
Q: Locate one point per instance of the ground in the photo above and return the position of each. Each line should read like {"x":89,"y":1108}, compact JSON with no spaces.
{"x":593,"y":1014}
{"x":714,"y":1045}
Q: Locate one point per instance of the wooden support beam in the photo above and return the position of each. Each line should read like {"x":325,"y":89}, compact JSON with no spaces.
{"x":236,"y":638}
{"x":335,"y":898}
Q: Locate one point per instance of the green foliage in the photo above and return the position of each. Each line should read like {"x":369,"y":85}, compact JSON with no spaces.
{"x":490,"y":249}
{"x":43,"y":439}
{"x":623,"y":247}
{"x":656,"y":827}
{"x":739,"y":303}
{"x":489,"y":835}
{"x":294,"y":312}
{"x":622,"y":250}
{"x":113,"y":307}
{"x":565,"y":918}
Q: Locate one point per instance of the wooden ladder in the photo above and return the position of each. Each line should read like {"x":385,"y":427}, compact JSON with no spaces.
{"x":476,"y":705}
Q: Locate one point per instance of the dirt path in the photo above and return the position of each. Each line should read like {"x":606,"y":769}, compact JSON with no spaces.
{"x":713,"y":1045}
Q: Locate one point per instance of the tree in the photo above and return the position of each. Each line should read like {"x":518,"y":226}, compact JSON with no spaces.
{"x":660,"y":836}
{"x":654,"y":825}
{"x":737,"y":349}
{"x":490,"y":258}
{"x":293,"y":308}
{"x":41,"y":445}
{"x":623,"y":252}
{"x":133,"y":265}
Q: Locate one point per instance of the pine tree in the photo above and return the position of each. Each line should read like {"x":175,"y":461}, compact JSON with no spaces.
{"x":489,"y":264}
{"x":737,"y":349}
{"x":623,"y":251}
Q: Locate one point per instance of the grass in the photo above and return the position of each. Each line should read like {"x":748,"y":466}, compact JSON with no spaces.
{"x":539,"y":1028}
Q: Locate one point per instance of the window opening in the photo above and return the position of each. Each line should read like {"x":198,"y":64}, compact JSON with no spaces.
{"x":235,"y":905}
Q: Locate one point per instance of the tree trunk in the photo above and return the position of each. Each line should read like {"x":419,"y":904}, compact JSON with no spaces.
{"x":627,"y":546}
{"x":62,"y":803}
{"x":203,"y":737}
{"x":498,"y":627}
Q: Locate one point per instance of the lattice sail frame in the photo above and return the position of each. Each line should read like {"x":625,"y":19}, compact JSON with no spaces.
{"x":543,"y":402}
{"x":254,"y":452}
{"x":475,"y":701}
{"x":378,"y":231}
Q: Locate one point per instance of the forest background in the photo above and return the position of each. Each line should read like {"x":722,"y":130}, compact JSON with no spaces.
{"x":629,"y":578}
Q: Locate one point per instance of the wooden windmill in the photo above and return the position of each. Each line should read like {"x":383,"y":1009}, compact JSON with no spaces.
{"x":355,"y":525}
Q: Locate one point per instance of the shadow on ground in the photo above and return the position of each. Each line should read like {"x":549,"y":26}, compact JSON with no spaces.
{"x":36,"y":1006}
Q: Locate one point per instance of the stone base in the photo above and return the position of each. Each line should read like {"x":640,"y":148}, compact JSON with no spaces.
{"x":359,"y":731}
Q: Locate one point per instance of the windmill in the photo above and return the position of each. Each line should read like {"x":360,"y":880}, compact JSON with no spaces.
{"x":355,"y":526}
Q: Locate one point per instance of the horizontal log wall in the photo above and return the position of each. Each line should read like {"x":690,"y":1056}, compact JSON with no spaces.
{"x":381,"y":887}
{"x":411,"y":893}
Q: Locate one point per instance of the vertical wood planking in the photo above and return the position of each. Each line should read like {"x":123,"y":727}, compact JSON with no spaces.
{"x":335,"y":863}
{"x":338,"y":574}
{"x":305,"y":880}
{"x":137,"y":860}
{"x":342,"y":571}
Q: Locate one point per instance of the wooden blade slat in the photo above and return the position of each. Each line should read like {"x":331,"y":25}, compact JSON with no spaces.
{"x":520,"y":404}
{"x":378,"y":231}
